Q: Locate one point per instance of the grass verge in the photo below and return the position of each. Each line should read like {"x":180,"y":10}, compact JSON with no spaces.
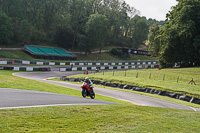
{"x":15,"y":54}
{"x":156,"y":81}
{"x":104,"y":118}
{"x":141,"y":93}
{"x":90,"y":118}
{"x":108,"y":56}
{"x":19,"y":54}
{"x":165,"y":79}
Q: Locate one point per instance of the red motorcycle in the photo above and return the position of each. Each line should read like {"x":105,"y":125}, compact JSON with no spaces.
{"x":87,"y":90}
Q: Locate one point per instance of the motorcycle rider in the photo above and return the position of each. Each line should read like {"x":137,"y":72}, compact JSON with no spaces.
{"x":89,"y":82}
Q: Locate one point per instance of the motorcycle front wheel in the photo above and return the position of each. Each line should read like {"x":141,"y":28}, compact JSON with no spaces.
{"x":84,"y":93}
{"x":92,"y":96}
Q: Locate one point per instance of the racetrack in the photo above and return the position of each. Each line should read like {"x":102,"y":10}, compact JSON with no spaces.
{"x":131,"y":97}
{"x":15,"y":98}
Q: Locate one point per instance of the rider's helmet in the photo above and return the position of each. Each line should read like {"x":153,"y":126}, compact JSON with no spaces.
{"x":87,"y":79}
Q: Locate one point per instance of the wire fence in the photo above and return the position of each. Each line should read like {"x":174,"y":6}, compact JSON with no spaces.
{"x":154,"y":75}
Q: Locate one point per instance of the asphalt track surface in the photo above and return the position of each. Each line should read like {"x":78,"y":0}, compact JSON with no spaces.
{"x":125,"y":96}
{"x":14,"y":98}
{"x":17,"y":98}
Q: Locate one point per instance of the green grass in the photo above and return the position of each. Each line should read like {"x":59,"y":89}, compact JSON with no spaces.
{"x":156,"y":79}
{"x":107,"y":56}
{"x":7,"y":80}
{"x":90,"y":118}
{"x":15,"y":54}
{"x":103,"y":118}
{"x":19,"y":54}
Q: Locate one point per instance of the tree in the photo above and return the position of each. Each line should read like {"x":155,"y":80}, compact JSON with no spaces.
{"x":22,"y":31}
{"x":37,"y":21}
{"x":154,"y":40}
{"x":197,"y":49}
{"x":96,"y":30}
{"x":83,"y":44}
{"x":63,"y":37}
{"x":180,"y":33}
{"x":80,"y":11}
{"x":140,"y":30}
{"x":6,"y":30}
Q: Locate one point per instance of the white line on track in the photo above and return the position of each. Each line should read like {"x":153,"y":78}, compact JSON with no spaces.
{"x":52,"y":105}
{"x":50,"y":78}
{"x":193,"y":109}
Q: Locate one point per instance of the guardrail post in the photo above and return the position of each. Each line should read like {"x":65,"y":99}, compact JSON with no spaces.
{"x":164,"y":77}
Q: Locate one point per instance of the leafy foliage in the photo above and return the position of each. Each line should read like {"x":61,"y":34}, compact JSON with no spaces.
{"x":23,"y":31}
{"x":42,"y":21}
{"x":153,"y":37}
{"x":116,"y":52}
{"x":140,"y":31}
{"x":178,"y":39}
{"x":96,"y":30}
{"x":83,"y":43}
{"x":63,"y":37}
{"x":6,"y":30}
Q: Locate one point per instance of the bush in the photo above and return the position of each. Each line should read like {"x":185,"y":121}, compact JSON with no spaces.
{"x":6,"y":29}
{"x":64,"y":37}
{"x":116,"y":52}
{"x":164,"y":65}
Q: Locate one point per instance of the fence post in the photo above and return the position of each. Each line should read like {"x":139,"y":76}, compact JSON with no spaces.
{"x":150,"y":76}
{"x":137,"y":75}
{"x":125,"y":73}
{"x":164,"y":77}
{"x":177,"y":79}
{"x":113,"y":73}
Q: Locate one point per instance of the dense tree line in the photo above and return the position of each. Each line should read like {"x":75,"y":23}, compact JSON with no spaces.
{"x":83,"y":24}
{"x":178,"y":41}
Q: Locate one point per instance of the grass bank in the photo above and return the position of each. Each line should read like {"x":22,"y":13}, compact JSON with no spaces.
{"x":15,"y":54}
{"x":142,"y":93}
{"x":108,"y":56}
{"x":90,"y":118}
{"x":165,"y":79}
{"x":19,"y":54}
{"x":103,"y":118}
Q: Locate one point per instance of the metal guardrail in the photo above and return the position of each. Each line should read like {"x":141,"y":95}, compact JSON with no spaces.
{"x":4,"y":62}
{"x":111,"y":61}
{"x":86,"y":68}
{"x":26,"y":68}
{"x":11,"y":48}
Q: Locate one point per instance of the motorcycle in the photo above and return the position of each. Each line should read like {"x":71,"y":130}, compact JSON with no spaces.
{"x":87,"y":91}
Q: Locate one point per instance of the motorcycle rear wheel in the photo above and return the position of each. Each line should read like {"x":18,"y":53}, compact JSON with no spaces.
{"x":92,"y":96}
{"x":84,"y":93}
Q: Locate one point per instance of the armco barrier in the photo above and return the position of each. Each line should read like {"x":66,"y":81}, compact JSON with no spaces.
{"x":26,"y":68}
{"x":79,"y":63}
{"x":141,"y":89}
{"x":29,"y":68}
{"x":108,"y":68}
{"x":8,"y":68}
